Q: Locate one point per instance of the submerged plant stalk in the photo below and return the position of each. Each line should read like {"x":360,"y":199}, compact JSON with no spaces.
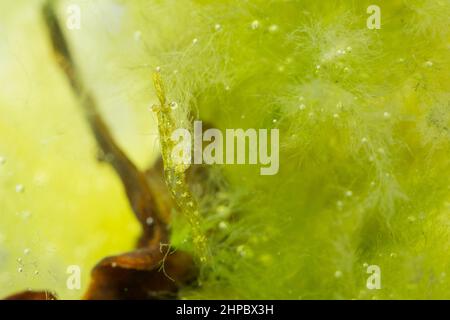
{"x":175,"y":171}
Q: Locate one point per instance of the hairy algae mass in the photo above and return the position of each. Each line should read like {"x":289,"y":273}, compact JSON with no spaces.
{"x":363,"y":181}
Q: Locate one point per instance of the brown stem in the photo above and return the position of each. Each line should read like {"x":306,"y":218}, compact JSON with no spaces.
{"x":141,"y":197}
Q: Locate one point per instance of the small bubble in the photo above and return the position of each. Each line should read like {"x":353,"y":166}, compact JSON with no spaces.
{"x":194,"y":41}
{"x":36,"y":273}
{"x":217,"y":27}
{"x":335,"y":116}
{"x":365,"y":264}
{"x":26,"y":251}
{"x":223,"y":211}
{"x":158,"y":69}
{"x":2,"y":160}
{"x":19,"y":260}
{"x":338,"y":274}
{"x":20,"y":188}
{"x":243,"y":251}
{"x":429,"y":64}
{"x":274,"y":120}
{"x":348,"y":193}
{"x":318,"y":67}
{"x":26,"y":214}
{"x":302,"y":107}
{"x":301,"y":98}
{"x":173,"y":105}
{"x":223,"y":225}
{"x":149,"y":221}
{"x":137,"y":35}
{"x":349,"y":49}
{"x":20,"y":270}
{"x":255,"y":24}
{"x":273,"y":28}
{"x":227,"y":88}
{"x":364,"y":140}
{"x":387,"y":115}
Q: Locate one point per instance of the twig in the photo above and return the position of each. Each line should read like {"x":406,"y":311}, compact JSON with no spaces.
{"x":142,"y":199}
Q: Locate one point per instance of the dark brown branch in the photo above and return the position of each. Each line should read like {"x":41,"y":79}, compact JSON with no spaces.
{"x":136,"y":274}
{"x":142,"y":199}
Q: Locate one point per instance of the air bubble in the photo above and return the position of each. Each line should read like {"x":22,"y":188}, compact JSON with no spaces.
{"x":137,"y":35}
{"x":149,"y":221}
{"x":255,"y":24}
{"x":273,"y":28}
{"x":20,"y":188}
{"x":223,"y":225}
